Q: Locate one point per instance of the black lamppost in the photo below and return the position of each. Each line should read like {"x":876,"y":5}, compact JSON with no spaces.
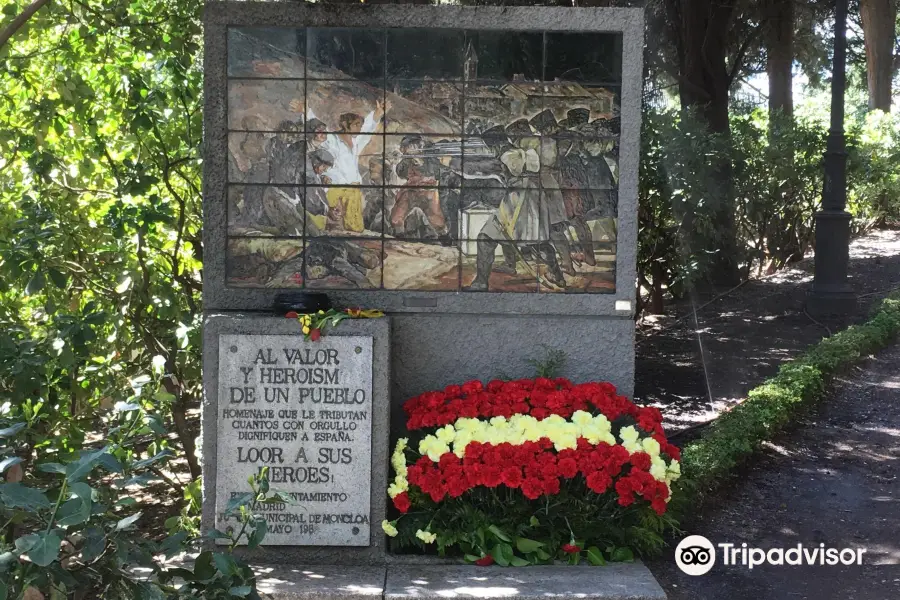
{"x":830,"y":293}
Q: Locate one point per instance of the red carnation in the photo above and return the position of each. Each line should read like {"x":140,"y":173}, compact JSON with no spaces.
{"x":551,"y":486}
{"x":315,"y":334}
{"x":485,"y":561}
{"x":673,"y":451}
{"x":540,"y":413}
{"x":568,"y":468}
{"x":623,"y":487}
{"x":599,"y":481}
{"x":626,"y":500}
{"x":659,"y":506}
{"x":532,"y":488}
{"x":401,"y":501}
{"x":640,"y":460}
{"x":437,"y":493}
{"x":472,"y":387}
{"x":491,"y":476}
{"x":290,"y":315}
{"x":457,"y":486}
{"x":570,"y":549}
{"x":512,"y":477}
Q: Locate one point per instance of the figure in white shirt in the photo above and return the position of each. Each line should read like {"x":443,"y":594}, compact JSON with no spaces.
{"x":346,"y":147}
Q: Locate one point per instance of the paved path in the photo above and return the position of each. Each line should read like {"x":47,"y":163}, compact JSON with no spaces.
{"x":833,"y":480}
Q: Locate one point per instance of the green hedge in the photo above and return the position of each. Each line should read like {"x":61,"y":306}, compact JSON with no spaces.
{"x":768,"y":408}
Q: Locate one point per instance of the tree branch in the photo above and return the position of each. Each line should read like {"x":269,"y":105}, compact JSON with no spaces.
{"x":19,"y":21}
{"x":742,"y":52}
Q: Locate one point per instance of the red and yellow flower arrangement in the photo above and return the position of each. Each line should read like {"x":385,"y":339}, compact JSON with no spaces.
{"x":527,"y":471}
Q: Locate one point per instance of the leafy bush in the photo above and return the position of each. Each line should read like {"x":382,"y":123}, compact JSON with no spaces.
{"x":874,"y":173}
{"x":100,"y":212}
{"x":528,"y":471}
{"x":70,"y":516}
{"x":777,"y":175}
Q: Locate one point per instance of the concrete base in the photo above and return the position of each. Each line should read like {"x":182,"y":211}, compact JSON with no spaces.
{"x":620,"y":581}
{"x":825,"y":304}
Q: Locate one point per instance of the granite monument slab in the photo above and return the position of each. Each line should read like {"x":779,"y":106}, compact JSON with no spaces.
{"x":302,"y":410}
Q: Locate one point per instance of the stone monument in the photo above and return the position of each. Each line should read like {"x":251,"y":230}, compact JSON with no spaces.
{"x":470,"y":171}
{"x":316,"y":415}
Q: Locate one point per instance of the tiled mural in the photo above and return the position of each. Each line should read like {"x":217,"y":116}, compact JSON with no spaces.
{"x":439,"y":159}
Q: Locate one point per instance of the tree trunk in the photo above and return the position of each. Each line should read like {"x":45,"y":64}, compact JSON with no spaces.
{"x":780,"y":55}
{"x":878,"y":21}
{"x":700,"y":31}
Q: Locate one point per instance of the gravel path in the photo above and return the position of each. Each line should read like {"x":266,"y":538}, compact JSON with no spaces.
{"x":833,"y":480}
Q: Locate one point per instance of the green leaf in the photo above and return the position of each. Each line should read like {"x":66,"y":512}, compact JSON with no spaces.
{"x":622,"y":554}
{"x":237,"y":501}
{"x":16,"y":495}
{"x":499,"y":534}
{"x":595,"y":557}
{"x":8,"y":462}
{"x":241,"y":591}
{"x":224,"y":563}
{"x":110,"y":463}
{"x":525,"y":545}
{"x":127,"y":521}
{"x":42,"y":548}
{"x":173,"y":543}
{"x":35,"y":284}
{"x":78,"y":509}
{"x":52,"y":468}
{"x":12,"y":430}
{"x":203,"y":566}
{"x":83,"y":466}
{"x":215,"y":534}
{"x":259,"y":532}
{"x":58,"y":278}
{"x":94,"y":544}
{"x":503,"y":554}
{"x":123,"y":287}
{"x":517,"y":561}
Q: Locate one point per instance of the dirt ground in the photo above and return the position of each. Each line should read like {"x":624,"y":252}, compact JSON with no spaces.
{"x":694,"y":370}
{"x":835,"y":479}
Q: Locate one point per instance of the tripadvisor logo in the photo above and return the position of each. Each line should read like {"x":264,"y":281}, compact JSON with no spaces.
{"x":696,"y":555}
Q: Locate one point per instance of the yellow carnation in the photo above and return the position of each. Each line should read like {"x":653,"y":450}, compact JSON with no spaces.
{"x":582,"y":418}
{"x":602,"y":422}
{"x":446,"y":434}
{"x":399,"y":486}
{"x":426,"y":536}
{"x":658,"y":469}
{"x":389,"y":528}
{"x":628,"y":434}
{"x":651,"y":447}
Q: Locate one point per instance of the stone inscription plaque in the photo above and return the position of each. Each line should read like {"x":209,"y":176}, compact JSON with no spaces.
{"x":304,"y":410}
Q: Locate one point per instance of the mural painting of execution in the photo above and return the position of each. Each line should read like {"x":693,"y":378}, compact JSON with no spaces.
{"x":359,"y":160}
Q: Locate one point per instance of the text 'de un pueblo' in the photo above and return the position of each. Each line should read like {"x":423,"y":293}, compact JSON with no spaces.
{"x":304,"y":410}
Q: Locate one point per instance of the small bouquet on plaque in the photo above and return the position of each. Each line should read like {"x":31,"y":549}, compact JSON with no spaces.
{"x":313,"y":325}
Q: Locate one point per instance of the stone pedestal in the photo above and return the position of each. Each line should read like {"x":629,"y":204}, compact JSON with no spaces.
{"x":618,"y":581}
{"x":317,"y":415}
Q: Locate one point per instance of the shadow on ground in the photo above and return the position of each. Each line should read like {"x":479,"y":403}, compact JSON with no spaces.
{"x":834,"y":480}
{"x":693,"y":370}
